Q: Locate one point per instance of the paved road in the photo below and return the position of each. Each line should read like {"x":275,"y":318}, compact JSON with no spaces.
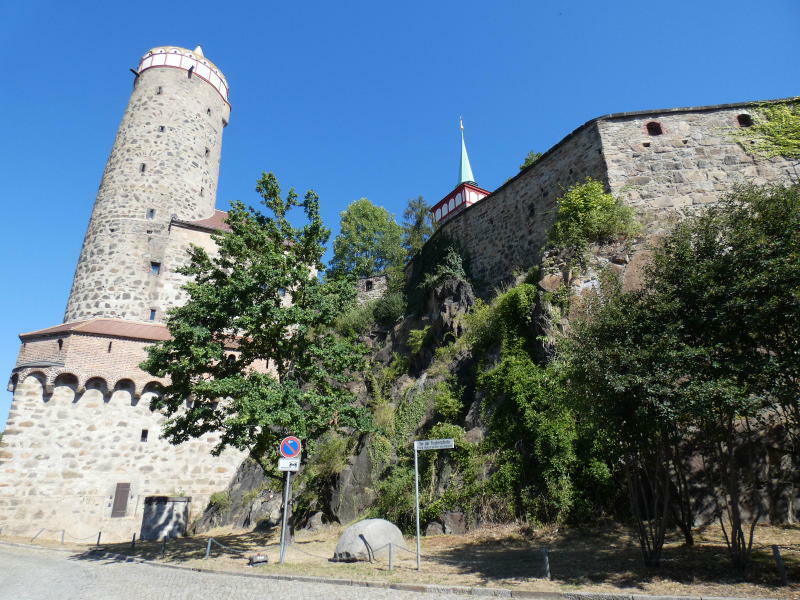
{"x":37,"y":574}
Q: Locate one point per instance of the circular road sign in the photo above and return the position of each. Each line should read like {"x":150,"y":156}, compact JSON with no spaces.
{"x":290,"y":447}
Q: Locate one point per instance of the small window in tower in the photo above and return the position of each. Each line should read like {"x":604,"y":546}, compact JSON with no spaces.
{"x":161,"y":129}
{"x":368,"y":286}
{"x":143,"y":437}
{"x":208,"y":111}
{"x":151,"y":213}
{"x":155,"y":268}
{"x":109,"y":346}
{"x":142,"y":168}
{"x":202,"y":190}
{"x":159,"y":90}
{"x":60,"y":344}
{"x":152,"y":314}
{"x":745,"y":120}
{"x":208,"y":152}
{"x":654,"y":128}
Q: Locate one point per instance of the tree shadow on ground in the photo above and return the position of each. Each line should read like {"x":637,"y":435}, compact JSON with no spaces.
{"x":184,"y":549}
{"x":605,"y":556}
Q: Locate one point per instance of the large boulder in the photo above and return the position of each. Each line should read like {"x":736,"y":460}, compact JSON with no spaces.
{"x":376,"y":532}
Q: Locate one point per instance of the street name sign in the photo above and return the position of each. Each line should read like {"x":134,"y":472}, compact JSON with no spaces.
{"x":434,"y":444}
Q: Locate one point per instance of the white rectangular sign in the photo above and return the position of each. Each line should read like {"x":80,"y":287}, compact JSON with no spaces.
{"x":289,"y":464}
{"x":434,"y":444}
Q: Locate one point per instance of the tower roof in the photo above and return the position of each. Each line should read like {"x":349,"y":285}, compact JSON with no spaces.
{"x":465,"y":169}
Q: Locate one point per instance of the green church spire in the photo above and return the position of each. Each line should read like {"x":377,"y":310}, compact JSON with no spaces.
{"x":465,"y":170}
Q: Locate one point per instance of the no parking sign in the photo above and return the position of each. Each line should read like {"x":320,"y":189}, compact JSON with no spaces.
{"x":290,"y":447}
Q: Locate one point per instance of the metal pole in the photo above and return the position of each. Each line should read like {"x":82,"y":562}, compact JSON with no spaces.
{"x":285,"y":515}
{"x":133,"y":542}
{"x":99,"y":533}
{"x":546,"y":563}
{"x":416,"y":496}
{"x":63,"y":531}
{"x":208,"y":547}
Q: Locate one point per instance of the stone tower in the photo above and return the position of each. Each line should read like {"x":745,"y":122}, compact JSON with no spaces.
{"x":82,"y":450}
{"x":163,"y":167}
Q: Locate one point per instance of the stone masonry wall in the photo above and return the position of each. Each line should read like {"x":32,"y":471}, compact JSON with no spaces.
{"x":176,"y":255}
{"x":692,"y":164}
{"x":172,"y":129}
{"x":505,"y":232}
{"x":63,"y":454}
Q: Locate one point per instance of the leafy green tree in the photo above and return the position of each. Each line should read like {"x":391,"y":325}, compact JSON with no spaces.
{"x":711,"y":345}
{"x":531,"y":158}
{"x":369,"y":242}
{"x":257,"y":304}
{"x":417,"y":225}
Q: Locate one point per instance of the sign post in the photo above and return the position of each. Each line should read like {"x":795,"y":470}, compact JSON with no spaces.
{"x":290,"y":449}
{"x":442,"y":444}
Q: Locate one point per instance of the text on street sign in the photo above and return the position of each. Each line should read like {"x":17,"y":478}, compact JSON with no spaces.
{"x":434,"y":444}
{"x":289,"y":464}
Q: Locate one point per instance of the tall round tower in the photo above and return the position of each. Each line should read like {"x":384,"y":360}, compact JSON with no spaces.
{"x":164,"y":165}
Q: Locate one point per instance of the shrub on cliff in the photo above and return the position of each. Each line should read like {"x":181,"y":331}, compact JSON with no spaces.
{"x":588,"y":215}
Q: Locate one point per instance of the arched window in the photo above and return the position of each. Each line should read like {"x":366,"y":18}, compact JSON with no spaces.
{"x":744,"y":120}
{"x":438,"y":213}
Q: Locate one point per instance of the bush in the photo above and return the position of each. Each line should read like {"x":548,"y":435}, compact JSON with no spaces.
{"x":388,"y":309}
{"x":417,"y":339}
{"x":220,"y":500}
{"x":447,"y":400}
{"x":357,"y":320}
{"x":589,"y":215}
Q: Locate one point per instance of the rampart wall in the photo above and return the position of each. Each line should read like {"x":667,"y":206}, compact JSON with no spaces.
{"x":692,"y":163}
{"x":64,"y":452}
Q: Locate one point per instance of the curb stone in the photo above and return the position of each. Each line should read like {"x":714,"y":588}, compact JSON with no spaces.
{"x":408,"y":587}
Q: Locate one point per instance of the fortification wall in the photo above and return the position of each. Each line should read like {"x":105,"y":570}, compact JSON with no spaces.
{"x":164,"y":163}
{"x":505,"y":232}
{"x":64,"y":453}
{"x":695,"y":160}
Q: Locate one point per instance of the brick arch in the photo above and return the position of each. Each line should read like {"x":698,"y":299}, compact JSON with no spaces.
{"x":153,"y":388}
{"x":91,"y":386}
{"x":121,"y":387}
{"x":39,"y":376}
{"x":64,"y":387}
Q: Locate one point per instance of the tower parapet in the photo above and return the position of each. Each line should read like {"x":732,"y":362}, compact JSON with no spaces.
{"x":190,"y":61}
{"x":164,"y":166}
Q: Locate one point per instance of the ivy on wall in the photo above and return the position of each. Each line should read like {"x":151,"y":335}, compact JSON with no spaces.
{"x":775,"y":131}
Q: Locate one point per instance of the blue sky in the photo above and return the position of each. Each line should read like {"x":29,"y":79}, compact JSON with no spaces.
{"x":352,"y":99}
